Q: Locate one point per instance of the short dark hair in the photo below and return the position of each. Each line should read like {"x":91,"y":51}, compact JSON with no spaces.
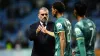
{"x":59,"y":6}
{"x":80,"y":8}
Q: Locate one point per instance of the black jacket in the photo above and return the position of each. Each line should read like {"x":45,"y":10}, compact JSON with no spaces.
{"x":43,"y":43}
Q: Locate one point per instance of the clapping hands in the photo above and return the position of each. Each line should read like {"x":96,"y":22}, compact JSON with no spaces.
{"x":41,"y":28}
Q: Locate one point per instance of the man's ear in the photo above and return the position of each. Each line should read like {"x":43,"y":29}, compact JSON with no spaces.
{"x":38,"y":15}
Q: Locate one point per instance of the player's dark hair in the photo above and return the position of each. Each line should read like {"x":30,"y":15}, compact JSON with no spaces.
{"x":80,"y":8}
{"x":59,"y":6}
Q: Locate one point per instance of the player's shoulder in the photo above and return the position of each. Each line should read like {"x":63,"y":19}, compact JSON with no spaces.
{"x":67,"y":21}
{"x":58,"y":23}
{"x":79,"y":24}
{"x":90,"y":21}
{"x":62,"y":20}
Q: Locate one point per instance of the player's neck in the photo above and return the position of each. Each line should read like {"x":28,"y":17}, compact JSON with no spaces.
{"x":80,"y":17}
{"x":59,"y":15}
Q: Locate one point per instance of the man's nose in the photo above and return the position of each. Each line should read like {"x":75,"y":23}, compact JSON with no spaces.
{"x":45,"y":16}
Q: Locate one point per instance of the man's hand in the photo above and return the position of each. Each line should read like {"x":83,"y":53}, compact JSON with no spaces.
{"x":38,"y":29}
{"x":43,"y":29}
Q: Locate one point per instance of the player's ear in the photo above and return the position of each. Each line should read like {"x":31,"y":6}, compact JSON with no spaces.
{"x":75,"y":12}
{"x":56,"y":10}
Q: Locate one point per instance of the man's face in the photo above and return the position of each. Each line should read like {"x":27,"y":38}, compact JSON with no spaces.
{"x":54,"y":12}
{"x":43,"y":15}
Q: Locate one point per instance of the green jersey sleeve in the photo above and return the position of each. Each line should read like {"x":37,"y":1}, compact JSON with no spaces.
{"x":80,"y":41}
{"x":59,"y":27}
{"x":78,"y":32}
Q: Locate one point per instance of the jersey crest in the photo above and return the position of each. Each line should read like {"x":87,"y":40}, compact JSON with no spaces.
{"x":59,"y":25}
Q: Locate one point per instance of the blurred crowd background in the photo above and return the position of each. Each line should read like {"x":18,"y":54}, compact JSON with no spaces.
{"x":17,"y":15}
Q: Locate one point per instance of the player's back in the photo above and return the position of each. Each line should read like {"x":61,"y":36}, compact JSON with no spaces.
{"x":63,"y":24}
{"x":88,"y":29}
{"x":68,"y":28}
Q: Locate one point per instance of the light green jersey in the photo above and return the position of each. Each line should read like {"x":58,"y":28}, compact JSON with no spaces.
{"x":62,"y":24}
{"x":85,"y":29}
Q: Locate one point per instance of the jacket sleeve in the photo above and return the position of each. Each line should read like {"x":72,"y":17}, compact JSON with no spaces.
{"x":31,"y":33}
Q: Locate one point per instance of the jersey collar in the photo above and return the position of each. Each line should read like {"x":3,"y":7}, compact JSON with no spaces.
{"x":61,"y":17}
